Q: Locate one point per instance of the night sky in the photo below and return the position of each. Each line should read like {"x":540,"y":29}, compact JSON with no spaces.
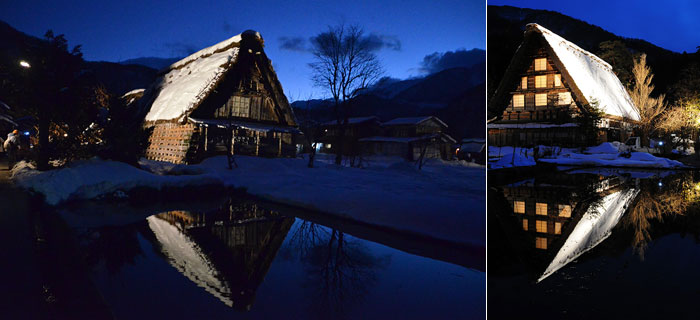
{"x":672,"y":24}
{"x":407,"y":31}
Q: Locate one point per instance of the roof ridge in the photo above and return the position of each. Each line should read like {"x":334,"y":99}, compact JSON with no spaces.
{"x":595,"y":58}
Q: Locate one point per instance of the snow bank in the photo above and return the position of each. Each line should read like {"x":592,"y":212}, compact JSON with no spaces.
{"x":605,"y":147}
{"x":636,"y":160}
{"x":94,"y":178}
{"x":513,"y":160}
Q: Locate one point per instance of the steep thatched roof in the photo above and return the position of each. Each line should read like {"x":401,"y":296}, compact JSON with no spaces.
{"x":591,"y":78}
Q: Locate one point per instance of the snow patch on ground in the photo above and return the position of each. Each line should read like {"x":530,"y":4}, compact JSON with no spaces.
{"x":93,"y":178}
{"x":445,"y":200}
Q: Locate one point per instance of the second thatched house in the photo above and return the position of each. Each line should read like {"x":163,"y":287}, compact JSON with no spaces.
{"x":548,"y":84}
{"x":222,"y":99}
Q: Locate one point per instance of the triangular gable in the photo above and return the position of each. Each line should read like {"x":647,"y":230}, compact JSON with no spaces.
{"x":589,"y":77}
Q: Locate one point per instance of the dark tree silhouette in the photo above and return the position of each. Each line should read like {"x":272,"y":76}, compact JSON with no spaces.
{"x":344,"y":64}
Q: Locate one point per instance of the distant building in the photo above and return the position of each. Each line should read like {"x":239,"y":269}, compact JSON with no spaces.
{"x":357,"y":128}
{"x":546,"y":85}
{"x":222,"y":99}
{"x":410,"y":138}
{"x":472,"y":150}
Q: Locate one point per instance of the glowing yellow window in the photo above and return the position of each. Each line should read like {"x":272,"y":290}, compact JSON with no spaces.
{"x":565,"y":210}
{"x":564,"y":98}
{"x":541,"y":64}
{"x":557,"y":228}
{"x":540,"y":81}
{"x":541,"y":99}
{"x":541,"y":243}
{"x":541,"y":226}
{"x":557,"y":80}
{"x":518,"y":101}
{"x":525,"y":226}
{"x":541,"y":209}
{"x":519,"y":206}
{"x":523,"y":83}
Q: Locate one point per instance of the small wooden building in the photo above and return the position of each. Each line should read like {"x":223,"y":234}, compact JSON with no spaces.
{"x":472,"y":150}
{"x":409,"y":138}
{"x":544,"y":89}
{"x":222,"y":99}
{"x":357,"y":128}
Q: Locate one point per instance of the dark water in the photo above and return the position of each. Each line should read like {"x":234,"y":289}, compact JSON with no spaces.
{"x":240,"y":260}
{"x":610,"y":243}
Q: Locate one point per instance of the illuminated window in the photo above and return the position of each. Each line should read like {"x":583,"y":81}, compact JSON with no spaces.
{"x":540,"y":81}
{"x":541,"y":243}
{"x":519,"y":206}
{"x":564,"y":98}
{"x":523,"y":83}
{"x":541,"y":209}
{"x":565,"y":210}
{"x":557,"y":80}
{"x":525,"y":224}
{"x":518,"y":101}
{"x":541,"y":226}
{"x":541,"y":99}
{"x":541,"y":64}
{"x":557,"y":228}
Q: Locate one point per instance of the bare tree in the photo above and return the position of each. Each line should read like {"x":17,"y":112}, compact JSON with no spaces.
{"x":649,"y":108}
{"x":344,"y":64}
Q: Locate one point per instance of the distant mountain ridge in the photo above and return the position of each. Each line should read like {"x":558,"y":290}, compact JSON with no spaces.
{"x":151,"y":62}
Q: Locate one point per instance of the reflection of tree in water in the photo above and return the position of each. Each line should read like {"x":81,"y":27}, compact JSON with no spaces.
{"x":655,"y":203}
{"x":340,"y":271}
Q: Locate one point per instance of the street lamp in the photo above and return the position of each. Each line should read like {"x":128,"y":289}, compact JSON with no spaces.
{"x":25,"y":64}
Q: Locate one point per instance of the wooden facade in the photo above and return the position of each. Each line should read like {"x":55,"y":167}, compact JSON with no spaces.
{"x":357,"y":128}
{"x":410,"y":138}
{"x":539,"y":101}
{"x":243,"y":112}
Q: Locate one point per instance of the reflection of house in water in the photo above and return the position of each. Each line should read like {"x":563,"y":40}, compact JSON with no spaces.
{"x":558,"y":219}
{"x":227,"y":252}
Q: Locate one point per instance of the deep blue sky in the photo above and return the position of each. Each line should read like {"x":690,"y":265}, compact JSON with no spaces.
{"x":670,"y":24}
{"x":120,"y":30}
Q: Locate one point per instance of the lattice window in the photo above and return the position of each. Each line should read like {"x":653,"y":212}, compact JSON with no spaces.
{"x":518,"y":101}
{"x":540,"y":81}
{"x":557,"y":228}
{"x":541,"y":243}
{"x":541,"y":226}
{"x":240,"y":106}
{"x":541,"y":99}
{"x":523,"y":83}
{"x":525,"y":224}
{"x":557,"y":80}
{"x":541,"y":64}
{"x":541,"y":209}
{"x":519,"y":206}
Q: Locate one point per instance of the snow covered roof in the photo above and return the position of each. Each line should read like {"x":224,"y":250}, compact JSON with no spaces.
{"x":472,"y":147}
{"x":187,"y":82}
{"x":411,"y":121}
{"x":594,"y":226}
{"x":352,"y":121}
{"x":189,"y":259}
{"x":591,"y":75}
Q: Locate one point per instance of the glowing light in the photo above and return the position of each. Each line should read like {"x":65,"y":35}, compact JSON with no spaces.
{"x":26,"y":133}
{"x":661,"y":143}
{"x":661,"y":184}
{"x":25,"y":64}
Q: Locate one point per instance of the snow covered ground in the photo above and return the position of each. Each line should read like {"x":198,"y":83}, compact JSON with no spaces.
{"x":604,"y":155}
{"x":445,"y":200}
